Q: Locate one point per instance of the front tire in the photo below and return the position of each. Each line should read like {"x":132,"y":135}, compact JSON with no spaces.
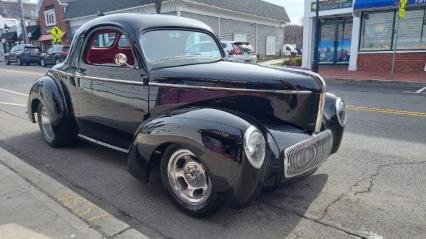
{"x":56,"y":136}
{"x":18,"y":61}
{"x":188,"y":181}
{"x":42,"y":62}
{"x":7,"y":61}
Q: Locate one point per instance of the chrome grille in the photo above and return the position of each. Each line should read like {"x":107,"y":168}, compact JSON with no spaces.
{"x":308,"y":154}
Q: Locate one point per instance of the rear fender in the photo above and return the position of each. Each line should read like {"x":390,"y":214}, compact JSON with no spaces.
{"x":51,"y":95}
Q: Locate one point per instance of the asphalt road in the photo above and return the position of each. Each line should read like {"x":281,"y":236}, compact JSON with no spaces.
{"x":374,"y":187}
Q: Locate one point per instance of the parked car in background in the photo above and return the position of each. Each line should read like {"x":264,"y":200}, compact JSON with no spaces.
{"x":299,"y":51}
{"x":23,"y":54}
{"x":239,"y":51}
{"x":217,"y":129}
{"x":54,"y":55}
{"x":289,"y":50}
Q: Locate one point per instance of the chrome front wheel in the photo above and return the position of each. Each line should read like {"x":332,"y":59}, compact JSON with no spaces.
{"x":188,"y":178}
{"x":188,"y":182}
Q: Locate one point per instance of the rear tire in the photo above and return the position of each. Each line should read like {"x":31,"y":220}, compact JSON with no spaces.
{"x":56,"y":136}
{"x":187,"y":181}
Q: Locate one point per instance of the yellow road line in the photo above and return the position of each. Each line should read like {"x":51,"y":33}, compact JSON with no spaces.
{"x":387,"y":111}
{"x":23,"y":72}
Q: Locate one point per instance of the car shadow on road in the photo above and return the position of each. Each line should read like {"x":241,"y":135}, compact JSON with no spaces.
{"x":101,"y":175}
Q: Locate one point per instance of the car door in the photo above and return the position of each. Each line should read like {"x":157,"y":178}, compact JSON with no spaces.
{"x":113,"y":100}
{"x":12,"y":53}
{"x":47,"y":57}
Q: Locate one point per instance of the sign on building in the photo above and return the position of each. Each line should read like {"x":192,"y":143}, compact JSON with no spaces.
{"x":331,"y":4}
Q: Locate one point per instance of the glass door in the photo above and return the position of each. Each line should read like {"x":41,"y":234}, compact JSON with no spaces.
{"x":344,"y":36}
{"x":335,"y":41}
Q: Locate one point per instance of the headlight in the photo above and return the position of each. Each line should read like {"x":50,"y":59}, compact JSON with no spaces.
{"x":341,"y":111}
{"x":254,"y":146}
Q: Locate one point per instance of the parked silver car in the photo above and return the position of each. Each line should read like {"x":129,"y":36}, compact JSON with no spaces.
{"x":239,"y":51}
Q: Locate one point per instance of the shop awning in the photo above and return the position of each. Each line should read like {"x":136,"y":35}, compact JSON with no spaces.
{"x":46,"y":37}
{"x":9,"y":36}
{"x":362,"y":5}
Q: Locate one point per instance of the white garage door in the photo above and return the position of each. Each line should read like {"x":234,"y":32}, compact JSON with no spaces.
{"x":270,"y":45}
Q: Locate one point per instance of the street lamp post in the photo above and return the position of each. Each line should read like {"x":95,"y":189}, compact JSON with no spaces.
{"x":317,"y":34}
{"x":21,"y":15}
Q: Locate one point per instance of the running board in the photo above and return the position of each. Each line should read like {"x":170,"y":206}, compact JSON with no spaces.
{"x":103,"y":144}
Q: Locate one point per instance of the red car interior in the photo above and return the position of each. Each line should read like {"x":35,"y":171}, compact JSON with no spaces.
{"x":105,"y":55}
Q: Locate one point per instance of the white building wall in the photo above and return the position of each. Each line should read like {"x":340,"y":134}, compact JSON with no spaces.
{"x":309,"y":23}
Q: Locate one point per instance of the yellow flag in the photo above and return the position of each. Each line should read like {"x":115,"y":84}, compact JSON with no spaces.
{"x":402,"y":7}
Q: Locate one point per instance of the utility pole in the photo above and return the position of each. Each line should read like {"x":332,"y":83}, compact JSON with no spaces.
{"x":315,"y":67}
{"x":21,"y":16}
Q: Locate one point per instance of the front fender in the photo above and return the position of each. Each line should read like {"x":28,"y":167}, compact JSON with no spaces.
{"x":215,"y":136}
{"x":50,"y":94}
{"x":331,"y":121}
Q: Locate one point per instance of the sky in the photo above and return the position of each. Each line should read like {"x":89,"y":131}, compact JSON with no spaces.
{"x":294,"y":8}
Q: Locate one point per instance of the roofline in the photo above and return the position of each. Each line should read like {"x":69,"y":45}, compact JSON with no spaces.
{"x":229,"y":10}
{"x":119,"y":10}
{"x":190,"y":2}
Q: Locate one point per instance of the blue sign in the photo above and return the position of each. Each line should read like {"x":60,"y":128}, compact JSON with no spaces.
{"x":368,"y":4}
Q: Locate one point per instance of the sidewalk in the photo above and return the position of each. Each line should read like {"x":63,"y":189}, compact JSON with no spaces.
{"x":342,"y":73}
{"x":33,"y":205}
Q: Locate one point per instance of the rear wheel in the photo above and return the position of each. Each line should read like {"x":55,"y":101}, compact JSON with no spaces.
{"x":187,"y":181}
{"x":55,"y":136}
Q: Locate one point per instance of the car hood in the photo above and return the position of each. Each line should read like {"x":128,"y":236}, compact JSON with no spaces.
{"x":240,"y":76}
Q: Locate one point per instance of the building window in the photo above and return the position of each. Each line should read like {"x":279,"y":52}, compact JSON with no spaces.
{"x":270,"y":46}
{"x":378,"y":31}
{"x":411,"y":33}
{"x":50,"y":18}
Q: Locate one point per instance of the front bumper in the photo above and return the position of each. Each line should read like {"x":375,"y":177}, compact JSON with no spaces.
{"x":307,"y":154}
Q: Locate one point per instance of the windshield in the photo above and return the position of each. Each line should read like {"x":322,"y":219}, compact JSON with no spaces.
{"x":179,"y":47}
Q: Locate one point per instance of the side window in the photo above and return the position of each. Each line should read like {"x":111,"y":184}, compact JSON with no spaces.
{"x":123,"y":42}
{"x":13,"y":49}
{"x":106,"y":39}
{"x":104,"y":45}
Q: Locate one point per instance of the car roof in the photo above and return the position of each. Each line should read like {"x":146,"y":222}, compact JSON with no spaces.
{"x":141,"y":22}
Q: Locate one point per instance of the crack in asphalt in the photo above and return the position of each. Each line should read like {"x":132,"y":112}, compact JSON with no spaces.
{"x":330,"y":205}
{"x":326,"y":224}
{"x":372,"y":177}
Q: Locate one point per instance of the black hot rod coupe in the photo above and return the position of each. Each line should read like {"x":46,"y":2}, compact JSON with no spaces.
{"x":159,"y":88}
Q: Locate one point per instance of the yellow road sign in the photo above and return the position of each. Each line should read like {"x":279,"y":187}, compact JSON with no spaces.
{"x":402,"y":7}
{"x":56,"y":33}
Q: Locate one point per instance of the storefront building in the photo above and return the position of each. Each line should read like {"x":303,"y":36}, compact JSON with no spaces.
{"x":367,"y":35}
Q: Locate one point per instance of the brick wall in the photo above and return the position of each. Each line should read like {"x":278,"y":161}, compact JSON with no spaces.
{"x":59,"y":14}
{"x":382,"y":62}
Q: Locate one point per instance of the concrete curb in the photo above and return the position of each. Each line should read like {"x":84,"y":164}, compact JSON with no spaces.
{"x":95,"y":217}
{"x":376,"y":81}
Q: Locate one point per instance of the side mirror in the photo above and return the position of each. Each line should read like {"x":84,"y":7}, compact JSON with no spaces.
{"x":121,"y":60}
